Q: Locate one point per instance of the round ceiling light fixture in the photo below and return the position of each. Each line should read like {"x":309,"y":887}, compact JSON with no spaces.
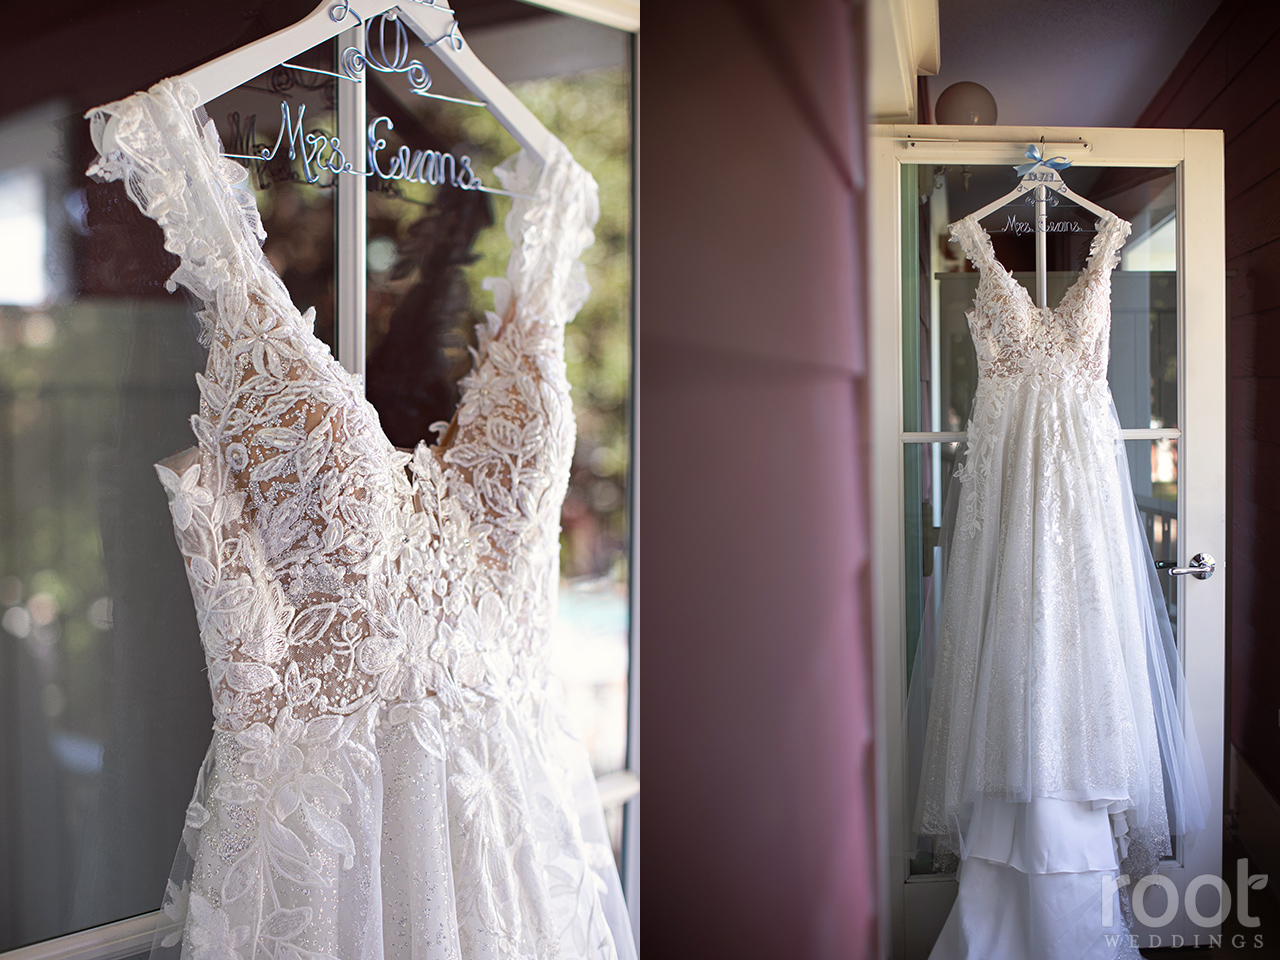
{"x":965,"y":103}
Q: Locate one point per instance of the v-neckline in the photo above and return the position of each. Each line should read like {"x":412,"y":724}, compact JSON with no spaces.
{"x":1095,"y":246}
{"x":204,"y":150}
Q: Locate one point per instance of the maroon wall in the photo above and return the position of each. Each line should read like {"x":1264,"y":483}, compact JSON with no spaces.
{"x":754,"y":595}
{"x":1229,"y":80}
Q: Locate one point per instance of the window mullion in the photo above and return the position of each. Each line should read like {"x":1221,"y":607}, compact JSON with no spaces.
{"x":351,"y":222}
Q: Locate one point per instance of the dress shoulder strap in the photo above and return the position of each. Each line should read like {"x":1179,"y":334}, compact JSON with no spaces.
{"x":169,"y":158}
{"x":974,"y":242}
{"x":1104,"y":249}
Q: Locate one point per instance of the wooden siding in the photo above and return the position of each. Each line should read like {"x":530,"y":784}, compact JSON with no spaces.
{"x":1229,"y":79}
{"x":754,"y":596}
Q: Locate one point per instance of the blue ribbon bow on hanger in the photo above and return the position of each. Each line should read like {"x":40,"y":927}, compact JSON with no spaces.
{"x":1033,"y":154}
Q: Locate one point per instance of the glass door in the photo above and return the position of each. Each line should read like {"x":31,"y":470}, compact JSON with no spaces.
{"x":1167,"y":326}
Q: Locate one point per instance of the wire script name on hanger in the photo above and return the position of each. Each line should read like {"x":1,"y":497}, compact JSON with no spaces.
{"x":1019,"y":227}
{"x":321,"y":153}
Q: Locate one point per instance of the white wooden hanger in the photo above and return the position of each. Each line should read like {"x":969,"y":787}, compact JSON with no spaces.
{"x":431,"y":20}
{"x":1041,"y":176}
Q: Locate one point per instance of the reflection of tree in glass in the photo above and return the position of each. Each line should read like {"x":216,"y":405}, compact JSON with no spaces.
{"x":51,"y":565}
{"x":423,"y":306}
{"x":412,"y":382}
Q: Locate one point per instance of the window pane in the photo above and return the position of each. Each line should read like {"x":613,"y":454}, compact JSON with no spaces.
{"x":104,"y":704}
{"x":940,"y":370}
{"x":1153,"y":468}
{"x":429,"y":250}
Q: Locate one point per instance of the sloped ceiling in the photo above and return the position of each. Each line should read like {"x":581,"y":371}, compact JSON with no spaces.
{"x":1089,"y":63}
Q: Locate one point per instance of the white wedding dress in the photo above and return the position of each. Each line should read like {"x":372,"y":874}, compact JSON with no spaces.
{"x":1054,"y":755}
{"x":390,"y":774}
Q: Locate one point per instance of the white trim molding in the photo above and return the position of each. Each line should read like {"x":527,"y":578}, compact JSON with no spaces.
{"x":959,"y":436}
{"x":622,"y":14}
{"x":903,"y":42}
{"x":617,"y":788}
{"x":112,"y":941}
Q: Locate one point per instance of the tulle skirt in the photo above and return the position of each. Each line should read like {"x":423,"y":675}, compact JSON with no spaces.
{"x":421,"y":831}
{"x":1055,"y":674}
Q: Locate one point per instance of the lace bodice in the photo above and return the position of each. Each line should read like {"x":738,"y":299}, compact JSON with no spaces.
{"x":375,"y":622}
{"x":328,"y":568}
{"x":1015,"y":338}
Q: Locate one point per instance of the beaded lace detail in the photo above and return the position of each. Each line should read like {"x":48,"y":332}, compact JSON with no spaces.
{"x":1016,"y":338}
{"x":365,"y":611}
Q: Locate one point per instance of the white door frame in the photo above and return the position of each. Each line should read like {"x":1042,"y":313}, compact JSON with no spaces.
{"x":1202,"y":472}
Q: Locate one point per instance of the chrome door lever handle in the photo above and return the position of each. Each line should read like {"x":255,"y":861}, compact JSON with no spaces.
{"x":1202,"y":567}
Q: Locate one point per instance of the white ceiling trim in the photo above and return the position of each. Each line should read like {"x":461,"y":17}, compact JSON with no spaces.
{"x":622,"y":14}
{"x":903,"y":43}
{"x":926,"y":42}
